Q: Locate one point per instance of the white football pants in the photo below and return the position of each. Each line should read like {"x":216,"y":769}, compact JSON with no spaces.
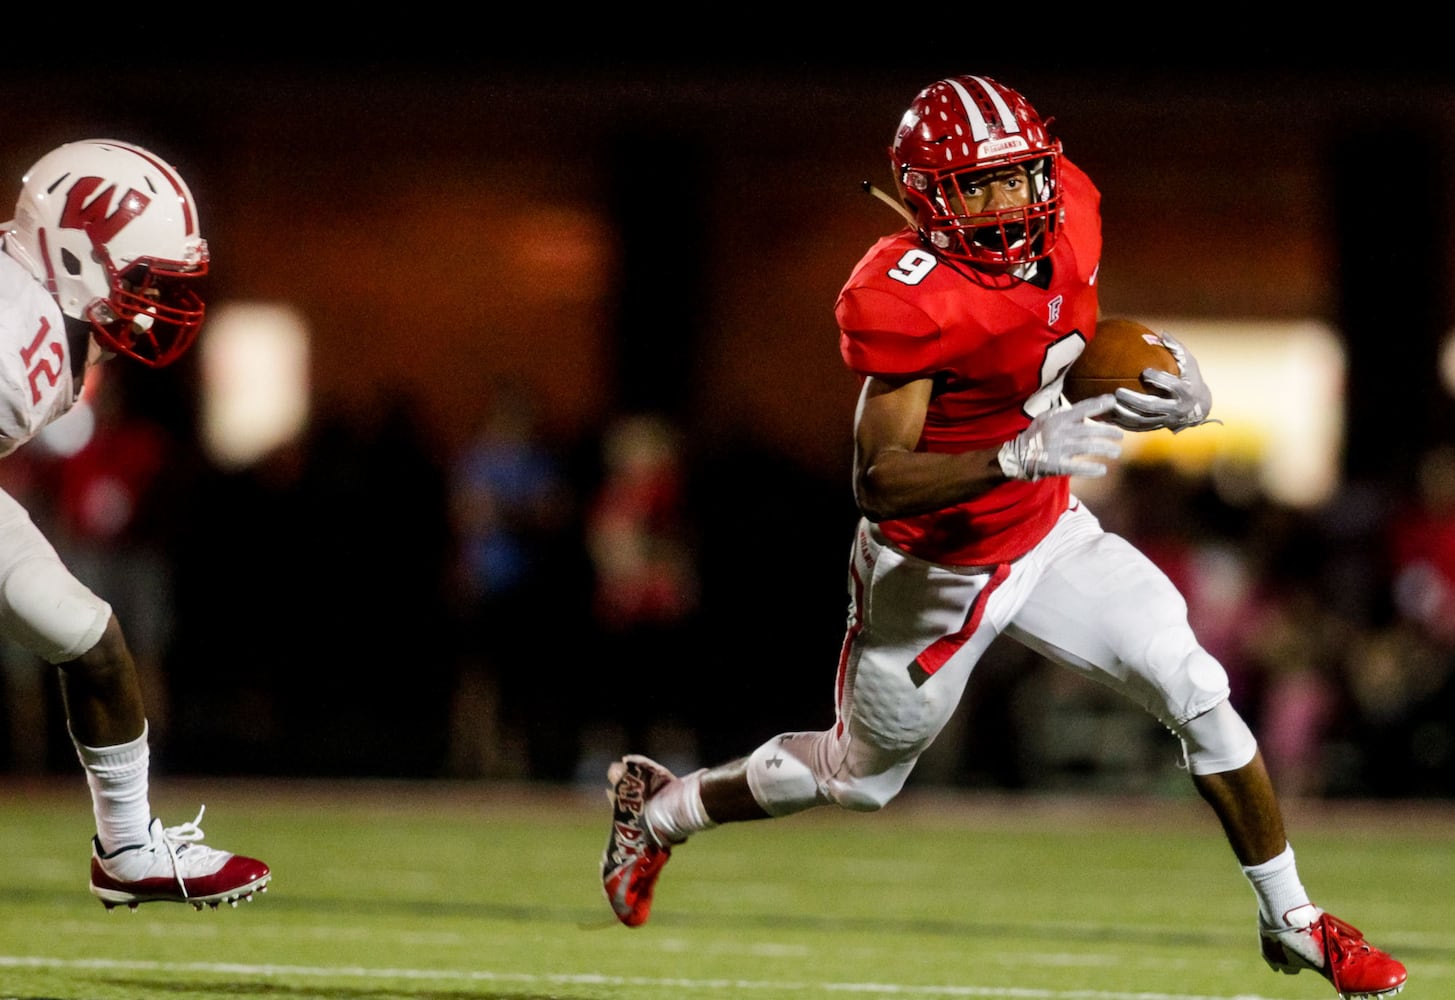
{"x":1084,"y":598}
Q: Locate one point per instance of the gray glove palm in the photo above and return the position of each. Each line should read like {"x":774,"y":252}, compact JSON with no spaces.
{"x":1186,"y":402}
{"x":1054,"y":444}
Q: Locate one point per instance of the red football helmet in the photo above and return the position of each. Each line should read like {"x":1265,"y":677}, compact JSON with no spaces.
{"x":961,"y":127}
{"x":112,"y":231}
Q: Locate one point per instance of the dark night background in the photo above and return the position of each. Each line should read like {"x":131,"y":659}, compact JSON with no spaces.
{"x":663,"y":227}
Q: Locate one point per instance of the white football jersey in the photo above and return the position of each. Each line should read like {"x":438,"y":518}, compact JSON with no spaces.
{"x":36,"y":385}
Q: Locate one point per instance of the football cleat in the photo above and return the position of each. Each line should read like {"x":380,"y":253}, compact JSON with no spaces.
{"x":1338,"y":951}
{"x":633,"y":858}
{"x":174,"y":866}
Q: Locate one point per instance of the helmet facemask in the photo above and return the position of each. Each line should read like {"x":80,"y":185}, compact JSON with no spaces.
{"x":989,"y":236}
{"x":960,"y":129}
{"x":152,"y":312}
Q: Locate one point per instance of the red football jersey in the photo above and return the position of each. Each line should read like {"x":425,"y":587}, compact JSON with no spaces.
{"x":997,"y":352}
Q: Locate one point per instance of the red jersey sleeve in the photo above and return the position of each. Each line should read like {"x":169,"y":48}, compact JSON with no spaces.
{"x":885,"y":336}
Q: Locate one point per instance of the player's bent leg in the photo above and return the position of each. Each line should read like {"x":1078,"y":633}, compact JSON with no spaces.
{"x":1229,"y":774}
{"x":788,"y":774}
{"x":1293,"y":935}
{"x":103,"y":695}
{"x":799,"y":771}
{"x":174,"y":866}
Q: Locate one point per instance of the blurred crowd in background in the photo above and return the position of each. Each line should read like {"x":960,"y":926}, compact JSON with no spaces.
{"x":362,"y":604}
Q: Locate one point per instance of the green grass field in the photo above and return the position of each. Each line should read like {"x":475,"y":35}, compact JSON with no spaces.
{"x":479,"y":892}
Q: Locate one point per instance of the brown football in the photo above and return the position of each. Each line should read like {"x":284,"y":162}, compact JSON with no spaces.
{"x":1116,"y":357}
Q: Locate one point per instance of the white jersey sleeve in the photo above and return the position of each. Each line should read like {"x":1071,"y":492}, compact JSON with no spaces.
{"x":36,"y":385}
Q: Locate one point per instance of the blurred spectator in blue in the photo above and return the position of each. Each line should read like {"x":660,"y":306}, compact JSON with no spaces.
{"x":518,"y":590}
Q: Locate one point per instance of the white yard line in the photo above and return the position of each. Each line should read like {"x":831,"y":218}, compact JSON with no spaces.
{"x":721,"y":986}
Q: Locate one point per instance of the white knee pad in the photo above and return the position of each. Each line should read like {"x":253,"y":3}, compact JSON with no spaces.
{"x":1217,"y":741}
{"x":798,"y":771}
{"x":780,"y":774}
{"x":49,"y":612}
{"x":1180,"y":674}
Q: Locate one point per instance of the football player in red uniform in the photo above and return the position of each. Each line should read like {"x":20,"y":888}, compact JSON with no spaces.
{"x":102,"y":258}
{"x":961,"y":327}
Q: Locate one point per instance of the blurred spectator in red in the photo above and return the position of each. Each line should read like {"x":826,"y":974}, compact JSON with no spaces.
{"x":1401,"y":676}
{"x":641,"y":544}
{"x":1422,"y":549}
{"x":637,"y":530}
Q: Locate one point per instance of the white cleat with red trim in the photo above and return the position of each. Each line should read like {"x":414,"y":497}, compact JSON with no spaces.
{"x":174,"y":866}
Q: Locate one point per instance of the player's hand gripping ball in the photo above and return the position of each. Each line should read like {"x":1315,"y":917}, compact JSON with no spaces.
{"x":1115,"y":359}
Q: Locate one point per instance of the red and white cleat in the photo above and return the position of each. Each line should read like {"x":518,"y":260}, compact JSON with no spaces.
{"x":633,"y":858}
{"x":174,"y":866}
{"x":1336,"y":950}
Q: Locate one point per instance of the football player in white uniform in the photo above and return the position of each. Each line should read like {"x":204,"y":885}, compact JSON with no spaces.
{"x":101,"y":259}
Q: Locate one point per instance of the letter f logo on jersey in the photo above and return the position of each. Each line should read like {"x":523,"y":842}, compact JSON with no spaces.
{"x":89,"y":214}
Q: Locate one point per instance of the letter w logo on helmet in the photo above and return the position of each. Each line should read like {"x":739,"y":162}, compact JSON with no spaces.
{"x":88,"y":213}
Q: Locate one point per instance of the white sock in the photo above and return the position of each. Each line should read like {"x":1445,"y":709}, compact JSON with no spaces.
{"x":1279,"y":891}
{"x":676,"y":811}
{"x":118,"y":777}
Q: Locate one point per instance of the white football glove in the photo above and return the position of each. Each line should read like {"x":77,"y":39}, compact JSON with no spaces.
{"x":1050,"y":446}
{"x":1186,"y":403}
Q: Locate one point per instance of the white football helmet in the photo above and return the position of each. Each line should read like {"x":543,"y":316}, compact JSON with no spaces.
{"x":112,"y":231}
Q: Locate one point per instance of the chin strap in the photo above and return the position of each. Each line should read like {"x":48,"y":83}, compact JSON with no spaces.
{"x":889,"y":200}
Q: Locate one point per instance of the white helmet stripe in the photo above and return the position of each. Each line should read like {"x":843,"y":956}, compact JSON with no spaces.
{"x":979,"y":128}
